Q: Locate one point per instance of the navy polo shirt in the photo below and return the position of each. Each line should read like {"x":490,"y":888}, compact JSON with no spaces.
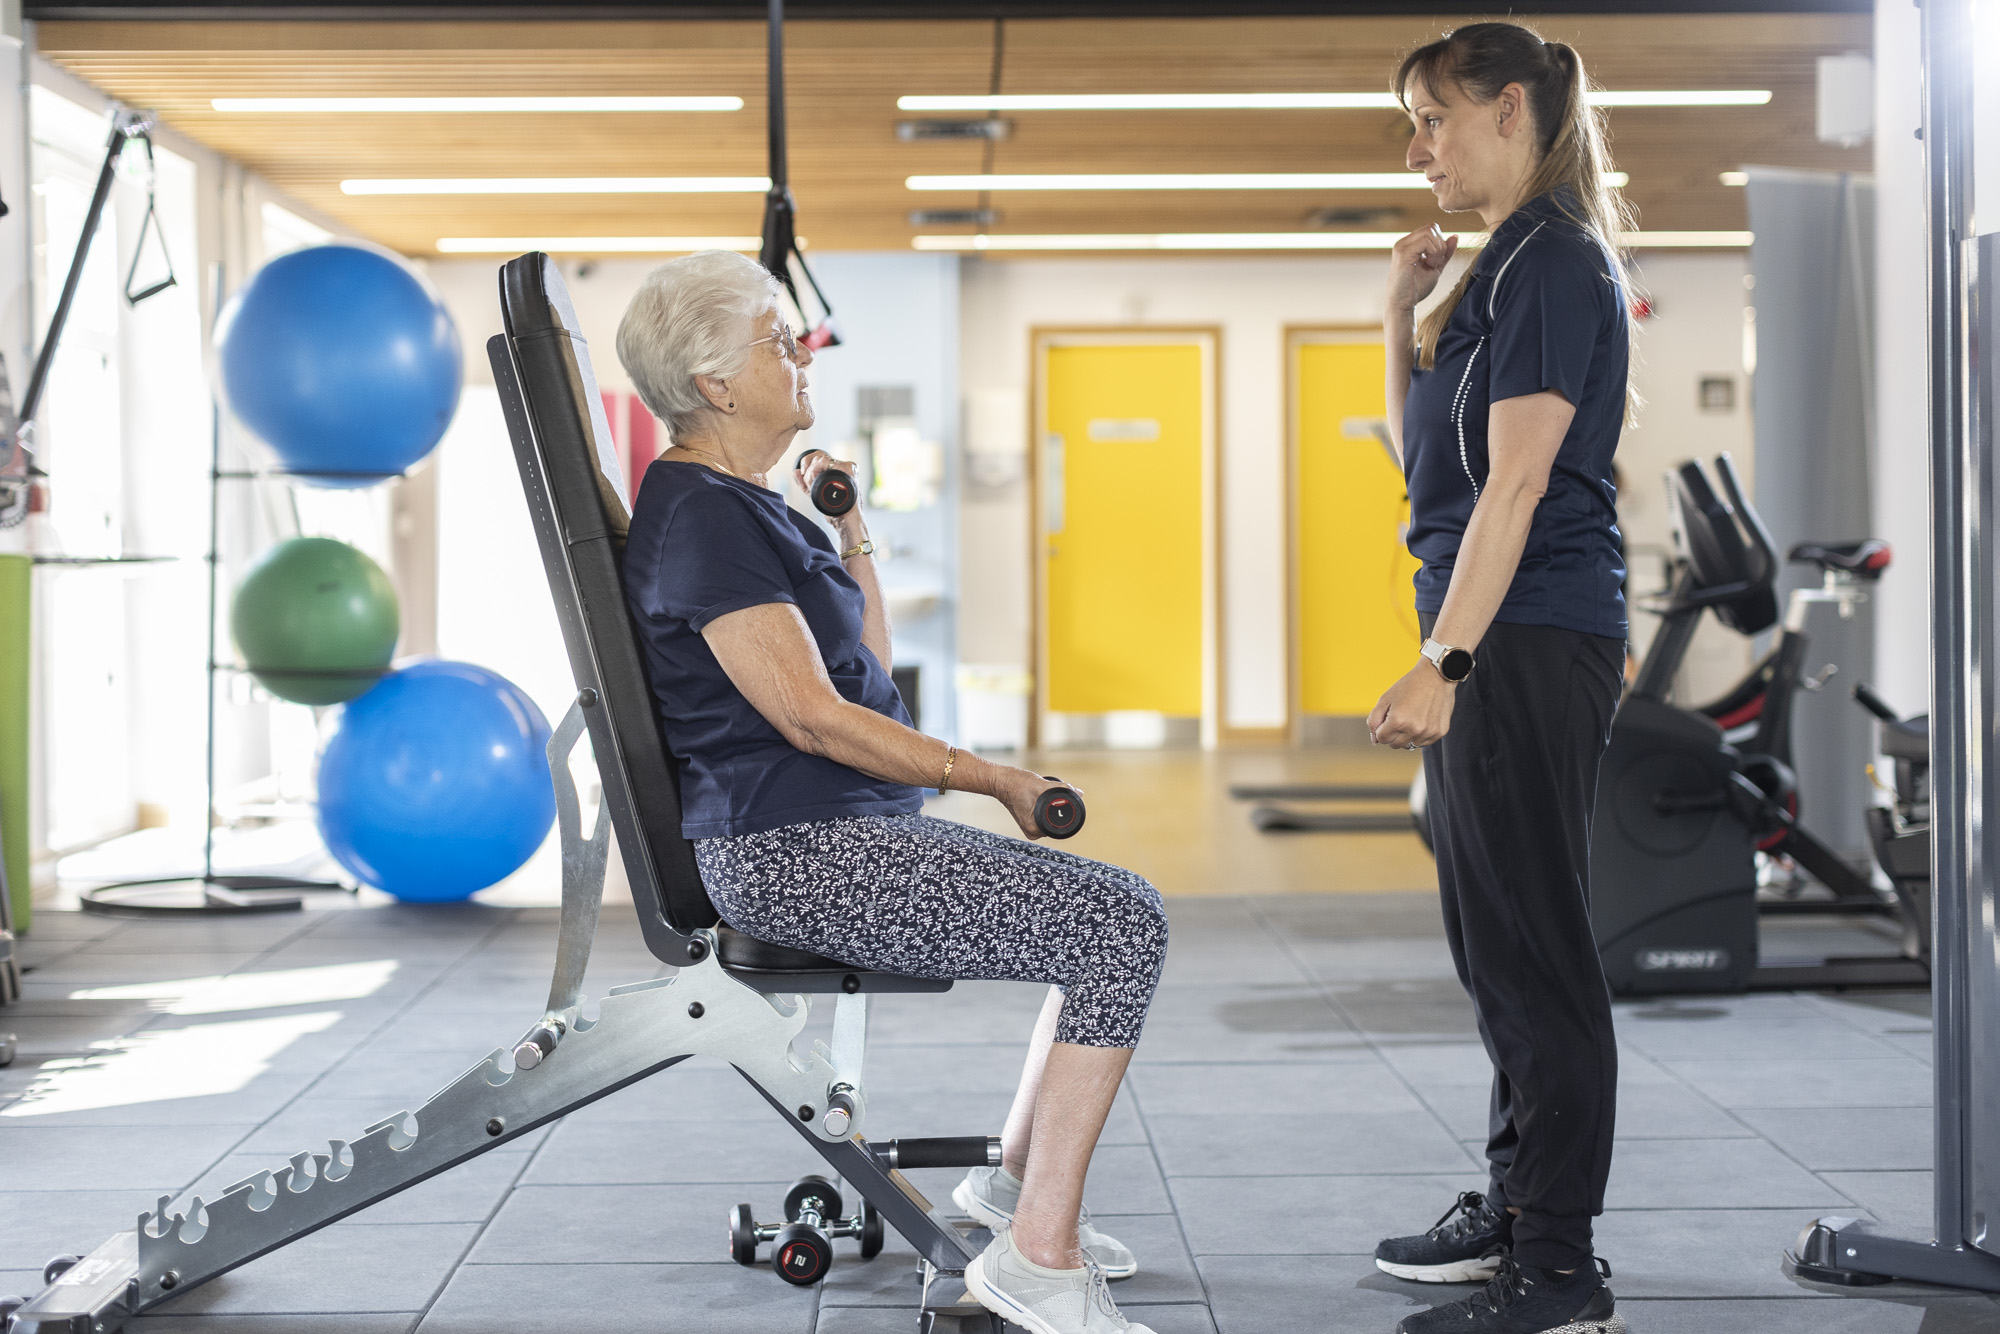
{"x":704,"y":544}
{"x":1544,"y":310}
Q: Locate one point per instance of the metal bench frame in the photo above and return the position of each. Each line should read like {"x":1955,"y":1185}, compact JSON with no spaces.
{"x":738,"y":999}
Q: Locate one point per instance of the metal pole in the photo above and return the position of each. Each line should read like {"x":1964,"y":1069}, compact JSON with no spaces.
{"x":1958,"y":666}
{"x":214,"y":563}
{"x":774,"y":75}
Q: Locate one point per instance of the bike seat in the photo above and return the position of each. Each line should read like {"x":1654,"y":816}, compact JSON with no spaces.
{"x":1907,"y":739}
{"x":1865,"y":559}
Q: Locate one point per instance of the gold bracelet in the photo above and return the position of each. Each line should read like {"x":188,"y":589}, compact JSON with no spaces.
{"x":950,"y":758}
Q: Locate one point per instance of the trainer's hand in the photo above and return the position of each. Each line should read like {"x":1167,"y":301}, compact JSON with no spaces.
{"x":1415,"y":712}
{"x":1018,"y":791}
{"x":1416,"y":263}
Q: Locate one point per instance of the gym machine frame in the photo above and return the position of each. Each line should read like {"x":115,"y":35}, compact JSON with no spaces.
{"x":1964,"y":1248}
{"x":732,"y":997}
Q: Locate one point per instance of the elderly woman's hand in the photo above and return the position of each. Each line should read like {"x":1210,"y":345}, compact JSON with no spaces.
{"x":1017,"y":791}
{"x":816,"y":462}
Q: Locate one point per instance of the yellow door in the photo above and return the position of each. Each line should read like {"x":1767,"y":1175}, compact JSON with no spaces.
{"x":1356,"y":615}
{"x":1122,"y":527}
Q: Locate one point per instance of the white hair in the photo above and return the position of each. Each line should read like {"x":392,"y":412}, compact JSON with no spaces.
{"x":686,"y":320}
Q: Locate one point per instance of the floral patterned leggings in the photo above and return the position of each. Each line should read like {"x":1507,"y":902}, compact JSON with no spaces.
{"x":925,"y":897}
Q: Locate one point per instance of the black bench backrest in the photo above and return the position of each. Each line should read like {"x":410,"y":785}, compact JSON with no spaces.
{"x":1724,"y":543}
{"x":575,"y":488}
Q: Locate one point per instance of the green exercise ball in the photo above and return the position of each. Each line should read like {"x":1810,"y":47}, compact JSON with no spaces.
{"x":315,"y":620}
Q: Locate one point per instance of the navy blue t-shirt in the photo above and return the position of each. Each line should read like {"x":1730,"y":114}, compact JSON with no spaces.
{"x":704,"y":544}
{"x":1544,"y":310}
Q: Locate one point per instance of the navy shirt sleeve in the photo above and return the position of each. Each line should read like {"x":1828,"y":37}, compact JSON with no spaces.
{"x":723,"y":561}
{"x":1538,"y":341}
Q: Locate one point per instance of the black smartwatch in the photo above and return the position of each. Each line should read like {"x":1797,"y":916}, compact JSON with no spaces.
{"x":1453,"y":664}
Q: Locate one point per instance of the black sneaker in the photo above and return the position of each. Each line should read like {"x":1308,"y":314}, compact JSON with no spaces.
{"x":1521,"y":1299}
{"x":1465,"y":1246}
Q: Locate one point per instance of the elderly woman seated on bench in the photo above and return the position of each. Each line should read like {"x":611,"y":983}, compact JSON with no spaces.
{"x":802,"y":780}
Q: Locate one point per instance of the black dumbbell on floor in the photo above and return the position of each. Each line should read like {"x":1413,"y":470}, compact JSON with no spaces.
{"x":802,"y":1246}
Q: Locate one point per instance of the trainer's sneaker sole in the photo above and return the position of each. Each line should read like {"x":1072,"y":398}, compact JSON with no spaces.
{"x":978,"y":1210}
{"x":1463,"y":1271}
{"x":1611,"y":1325}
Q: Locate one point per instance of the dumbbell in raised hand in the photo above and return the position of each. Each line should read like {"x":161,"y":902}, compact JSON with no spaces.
{"x":833,"y":491}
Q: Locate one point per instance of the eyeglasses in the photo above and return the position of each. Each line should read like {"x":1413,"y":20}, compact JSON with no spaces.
{"x":787,"y":341}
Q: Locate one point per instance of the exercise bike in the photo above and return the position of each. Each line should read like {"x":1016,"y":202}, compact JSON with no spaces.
{"x":1688,"y":799}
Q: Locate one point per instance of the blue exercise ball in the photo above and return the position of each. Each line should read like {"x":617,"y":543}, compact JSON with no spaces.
{"x":343,"y":361}
{"x":437,"y":782}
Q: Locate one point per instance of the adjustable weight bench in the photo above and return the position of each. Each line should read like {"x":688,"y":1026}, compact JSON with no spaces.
{"x":733,"y":997}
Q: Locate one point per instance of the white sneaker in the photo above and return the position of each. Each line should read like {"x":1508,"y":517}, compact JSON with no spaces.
{"x":990,"y":1195}
{"x":1043,"y":1301}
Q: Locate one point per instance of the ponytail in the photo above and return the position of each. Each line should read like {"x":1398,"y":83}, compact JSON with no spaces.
{"x":1572,"y":153}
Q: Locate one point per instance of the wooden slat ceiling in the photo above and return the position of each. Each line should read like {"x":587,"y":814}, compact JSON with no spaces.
{"x":843,"y":78}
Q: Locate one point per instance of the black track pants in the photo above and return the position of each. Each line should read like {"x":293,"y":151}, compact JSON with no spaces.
{"x":1511,"y":790}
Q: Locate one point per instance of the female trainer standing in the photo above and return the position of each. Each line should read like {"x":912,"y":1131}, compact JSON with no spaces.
{"x":1507,"y":403}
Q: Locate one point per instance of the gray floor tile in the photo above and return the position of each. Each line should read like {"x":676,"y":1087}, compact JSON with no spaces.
{"x":1900,"y":1199}
{"x":700,"y":1089}
{"x":88,"y":970}
{"x":1669,"y":1111}
{"x":1311,"y":1215}
{"x":1700,"y":1252}
{"x":1881,"y":1082}
{"x":52,"y":1096}
{"x":621,"y":1298}
{"x":142,"y":1159}
{"x":1198,"y":962}
{"x":578,"y":1225}
{"x":1917,"y":1046}
{"x":1856,"y":1314}
{"x":1711,"y":1174}
{"x":638,"y":1152}
{"x":383,"y":1269}
{"x":1353,"y":1086}
{"x":1408,"y":1008}
{"x":1849,"y":1139}
{"x":1431,"y":1063}
{"x":969,"y":1012}
{"x":1808,"y":1037}
{"x":1355,"y":960}
{"x":1263,"y":1294}
{"x":1288,"y":1145}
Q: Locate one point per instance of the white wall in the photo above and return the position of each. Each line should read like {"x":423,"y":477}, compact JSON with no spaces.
{"x":1901,"y":474}
{"x":1698,"y":330}
{"x":1251,"y":301}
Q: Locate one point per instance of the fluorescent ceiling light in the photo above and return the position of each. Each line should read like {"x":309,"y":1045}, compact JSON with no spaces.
{"x":1685,"y":97}
{"x":596,"y":245}
{"x":562,"y":185}
{"x":1174,"y":241}
{"x":1329,"y":180}
{"x":423,"y":104}
{"x":1735,"y":178}
{"x":1273,"y":241}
